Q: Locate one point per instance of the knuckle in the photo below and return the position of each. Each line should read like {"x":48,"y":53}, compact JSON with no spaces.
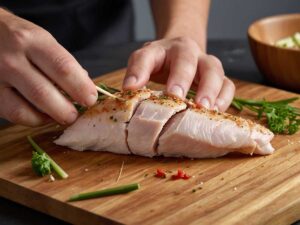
{"x":21,"y":37}
{"x":221,"y":76}
{"x":183,"y":39}
{"x":139,"y":53}
{"x":215,"y":60}
{"x":212,"y":91}
{"x":82,"y":88}
{"x":184,"y":53}
{"x":16,"y":114}
{"x":64,"y":65}
{"x":230,"y":83}
{"x":160,"y":49}
{"x":189,"y":58}
{"x":148,"y":43}
{"x":9,"y":64}
{"x":38,"y":93}
{"x":41,"y":33}
{"x":136,"y":69}
{"x":186,"y":41}
{"x":188,"y":69}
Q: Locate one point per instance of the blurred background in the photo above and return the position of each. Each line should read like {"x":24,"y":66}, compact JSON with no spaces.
{"x":229,"y":19}
{"x":227,"y":36}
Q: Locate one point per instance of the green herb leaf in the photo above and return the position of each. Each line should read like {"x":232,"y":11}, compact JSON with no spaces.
{"x":282,"y":118}
{"x":40,"y":164}
{"x":44,"y":163}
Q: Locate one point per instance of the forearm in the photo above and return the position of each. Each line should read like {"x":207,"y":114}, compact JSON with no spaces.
{"x":181,"y":18}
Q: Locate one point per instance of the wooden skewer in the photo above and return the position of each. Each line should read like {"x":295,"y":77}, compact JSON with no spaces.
{"x":109,"y":94}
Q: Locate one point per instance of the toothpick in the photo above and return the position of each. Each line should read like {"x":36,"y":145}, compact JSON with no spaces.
{"x":108,"y":94}
{"x":121,"y":170}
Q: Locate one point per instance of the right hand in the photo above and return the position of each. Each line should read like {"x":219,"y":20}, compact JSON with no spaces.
{"x":32,"y":62}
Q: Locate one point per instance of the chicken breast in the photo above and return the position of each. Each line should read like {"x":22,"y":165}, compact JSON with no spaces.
{"x":202,"y":133}
{"x":148,"y":121}
{"x":104,"y":126}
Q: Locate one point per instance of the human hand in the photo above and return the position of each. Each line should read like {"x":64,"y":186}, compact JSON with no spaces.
{"x":180,"y":63}
{"x":32,"y":63}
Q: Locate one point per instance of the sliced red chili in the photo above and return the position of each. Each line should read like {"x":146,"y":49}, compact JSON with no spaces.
{"x":180,"y":175}
{"x":160,"y":173}
{"x":186,"y":177}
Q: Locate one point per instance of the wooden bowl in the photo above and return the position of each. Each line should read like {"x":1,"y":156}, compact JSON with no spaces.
{"x":280,"y":66}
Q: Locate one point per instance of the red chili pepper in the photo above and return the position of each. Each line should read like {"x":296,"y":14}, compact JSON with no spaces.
{"x":160,"y":173}
{"x":186,"y":177}
{"x":180,"y":175}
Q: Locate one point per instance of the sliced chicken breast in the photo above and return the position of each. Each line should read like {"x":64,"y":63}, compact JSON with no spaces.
{"x":202,"y":133}
{"x":148,"y":121}
{"x":103,"y":127}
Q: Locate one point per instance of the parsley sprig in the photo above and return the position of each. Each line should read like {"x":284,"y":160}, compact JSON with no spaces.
{"x":282,"y":118}
{"x":42,"y":163}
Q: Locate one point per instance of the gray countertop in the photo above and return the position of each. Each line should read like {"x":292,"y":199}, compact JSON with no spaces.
{"x":234,"y":54}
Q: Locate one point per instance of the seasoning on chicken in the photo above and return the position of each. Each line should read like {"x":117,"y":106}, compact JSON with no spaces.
{"x":103,"y":127}
{"x":202,"y":133}
{"x":149,"y":123}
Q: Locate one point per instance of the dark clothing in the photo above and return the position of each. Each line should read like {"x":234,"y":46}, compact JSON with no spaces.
{"x":79,"y":24}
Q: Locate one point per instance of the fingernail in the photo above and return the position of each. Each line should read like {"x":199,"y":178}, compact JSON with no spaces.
{"x":91,"y":99}
{"x":177,"y":91}
{"x":205,"y":103}
{"x":130,"y":81}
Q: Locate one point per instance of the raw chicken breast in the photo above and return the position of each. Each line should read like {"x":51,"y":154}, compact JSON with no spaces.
{"x":103,"y":127}
{"x":148,"y":121}
{"x":202,"y":133}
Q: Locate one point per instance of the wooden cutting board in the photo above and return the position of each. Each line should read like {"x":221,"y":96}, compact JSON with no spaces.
{"x":234,"y":189}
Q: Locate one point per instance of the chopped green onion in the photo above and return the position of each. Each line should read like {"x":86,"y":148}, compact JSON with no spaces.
{"x":105,"y":192}
{"x":60,"y":172}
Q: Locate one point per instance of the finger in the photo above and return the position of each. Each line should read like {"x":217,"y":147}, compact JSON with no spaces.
{"x":38,"y":90}
{"x":211,"y":81}
{"x":61,"y":67}
{"x":183,"y":68}
{"x":141,"y":64}
{"x":225,"y":96}
{"x":16,"y":110}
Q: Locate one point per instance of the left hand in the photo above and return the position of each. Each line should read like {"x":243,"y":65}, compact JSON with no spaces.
{"x":180,"y":63}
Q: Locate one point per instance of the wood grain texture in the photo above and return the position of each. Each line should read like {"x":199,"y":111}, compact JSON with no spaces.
{"x":279,"y":65}
{"x":235,"y":189}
